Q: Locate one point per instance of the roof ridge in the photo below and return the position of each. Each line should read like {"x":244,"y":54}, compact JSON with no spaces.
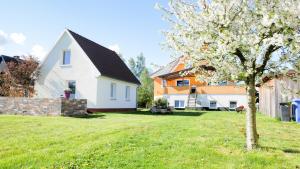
{"x":107,"y":61}
{"x":72,"y":32}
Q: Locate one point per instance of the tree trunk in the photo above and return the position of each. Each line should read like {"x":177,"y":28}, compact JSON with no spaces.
{"x":251,"y":132}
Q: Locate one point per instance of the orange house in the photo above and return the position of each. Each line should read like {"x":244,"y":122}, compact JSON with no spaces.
{"x":187,"y":92}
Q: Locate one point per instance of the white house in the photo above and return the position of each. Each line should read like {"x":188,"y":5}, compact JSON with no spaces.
{"x":91,"y":71}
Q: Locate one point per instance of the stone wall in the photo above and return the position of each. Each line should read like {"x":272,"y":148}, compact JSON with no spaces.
{"x":73,"y":107}
{"x":43,"y":107}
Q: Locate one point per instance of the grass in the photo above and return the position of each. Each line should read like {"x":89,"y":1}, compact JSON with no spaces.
{"x":141,"y":140}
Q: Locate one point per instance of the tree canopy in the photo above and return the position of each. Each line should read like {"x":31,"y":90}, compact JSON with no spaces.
{"x":241,"y":39}
{"x":137,"y":65}
{"x":20,"y":77}
{"x":237,"y":37}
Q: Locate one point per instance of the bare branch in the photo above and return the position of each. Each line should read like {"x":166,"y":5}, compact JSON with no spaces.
{"x":267,"y":57}
{"x":240,"y":55}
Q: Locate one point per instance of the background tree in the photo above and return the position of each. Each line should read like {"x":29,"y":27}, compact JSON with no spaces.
{"x":241,"y":39}
{"x":145,"y":91}
{"x":20,"y":77}
{"x":5,"y":84}
{"x":137,"y":65}
{"x":132,"y":66}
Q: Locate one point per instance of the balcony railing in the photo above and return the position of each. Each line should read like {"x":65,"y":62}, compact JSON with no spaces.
{"x":204,"y":90}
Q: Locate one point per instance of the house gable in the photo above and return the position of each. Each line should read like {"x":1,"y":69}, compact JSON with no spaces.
{"x":55,"y":76}
{"x":91,"y":81}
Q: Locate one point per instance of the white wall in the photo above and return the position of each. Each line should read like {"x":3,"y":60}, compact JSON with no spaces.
{"x":222,"y":99}
{"x":204,"y":99}
{"x":104,"y":99}
{"x":54,"y":76}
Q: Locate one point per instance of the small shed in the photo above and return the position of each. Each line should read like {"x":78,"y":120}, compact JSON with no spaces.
{"x":275,"y":91}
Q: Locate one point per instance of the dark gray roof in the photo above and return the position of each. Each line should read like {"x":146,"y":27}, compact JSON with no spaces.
{"x":106,"y":61}
{"x":166,"y":69}
{"x":8,"y":58}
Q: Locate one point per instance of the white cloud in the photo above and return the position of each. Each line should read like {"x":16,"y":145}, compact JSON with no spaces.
{"x":38,"y":51}
{"x":2,"y":50}
{"x":115,"y":48}
{"x":18,"y":38}
{"x":3,"y":38}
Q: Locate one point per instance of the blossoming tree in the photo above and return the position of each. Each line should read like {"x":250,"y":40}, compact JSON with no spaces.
{"x":241,"y":39}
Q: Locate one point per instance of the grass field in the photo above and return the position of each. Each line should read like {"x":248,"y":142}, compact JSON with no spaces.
{"x":142,"y":140}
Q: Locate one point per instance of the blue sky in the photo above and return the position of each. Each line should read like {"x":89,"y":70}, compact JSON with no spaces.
{"x":133,"y":26}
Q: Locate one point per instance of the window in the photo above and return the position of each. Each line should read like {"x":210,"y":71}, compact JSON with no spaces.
{"x":232,"y":104}
{"x":127,"y":93}
{"x":213,"y":104}
{"x":179,"y":103}
{"x":164,"y":83}
{"x":113,"y":88}
{"x":222,"y":83}
{"x":183,"y":83}
{"x":66,"y":57}
{"x":72,"y":87}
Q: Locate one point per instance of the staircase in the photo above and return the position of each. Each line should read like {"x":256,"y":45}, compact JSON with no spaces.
{"x":192,"y":99}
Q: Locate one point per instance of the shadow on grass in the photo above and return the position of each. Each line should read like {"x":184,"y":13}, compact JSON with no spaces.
{"x":176,"y":113}
{"x":292,"y":151}
{"x":288,"y":150}
{"x":90,"y":116}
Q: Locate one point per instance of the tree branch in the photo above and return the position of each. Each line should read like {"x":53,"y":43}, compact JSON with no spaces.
{"x":240,"y":55}
{"x":267,"y":57}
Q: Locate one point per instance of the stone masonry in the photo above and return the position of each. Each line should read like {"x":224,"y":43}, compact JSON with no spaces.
{"x":42,"y":107}
{"x":74,"y":107}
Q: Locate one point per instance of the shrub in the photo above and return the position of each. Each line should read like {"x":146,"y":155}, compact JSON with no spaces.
{"x":161,"y":103}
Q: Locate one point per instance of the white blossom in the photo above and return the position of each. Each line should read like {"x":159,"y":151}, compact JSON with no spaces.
{"x":216,"y":30}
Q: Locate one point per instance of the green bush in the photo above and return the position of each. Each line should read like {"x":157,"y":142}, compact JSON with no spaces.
{"x":161,"y":103}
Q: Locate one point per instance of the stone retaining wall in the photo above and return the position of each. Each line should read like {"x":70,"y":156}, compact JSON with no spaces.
{"x":43,"y":107}
{"x":73,"y":107}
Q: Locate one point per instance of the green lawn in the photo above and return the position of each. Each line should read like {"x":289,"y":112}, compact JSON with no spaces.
{"x":182,"y":140}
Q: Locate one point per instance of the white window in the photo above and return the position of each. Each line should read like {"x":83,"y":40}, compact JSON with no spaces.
{"x":66,"y":57}
{"x":213,"y":104}
{"x":182,"y":83}
{"x":179,"y":104}
{"x":232,"y":104}
{"x":127,"y":93}
{"x":113,"y":91}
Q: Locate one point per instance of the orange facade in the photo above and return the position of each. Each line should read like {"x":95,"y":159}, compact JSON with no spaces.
{"x":165,"y":85}
{"x":201,"y":87}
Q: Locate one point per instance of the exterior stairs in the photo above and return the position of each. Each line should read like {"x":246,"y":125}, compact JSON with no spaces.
{"x":192,"y":101}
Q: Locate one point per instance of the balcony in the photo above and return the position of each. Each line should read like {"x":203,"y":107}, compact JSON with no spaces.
{"x":205,"y":90}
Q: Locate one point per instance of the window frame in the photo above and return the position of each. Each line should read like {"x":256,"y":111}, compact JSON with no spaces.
{"x":210,"y":107}
{"x":181,"y":104}
{"x":127,"y":93}
{"x":63,"y":63}
{"x":113,"y":91}
{"x":236,"y":104}
{"x":183,"y":80}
